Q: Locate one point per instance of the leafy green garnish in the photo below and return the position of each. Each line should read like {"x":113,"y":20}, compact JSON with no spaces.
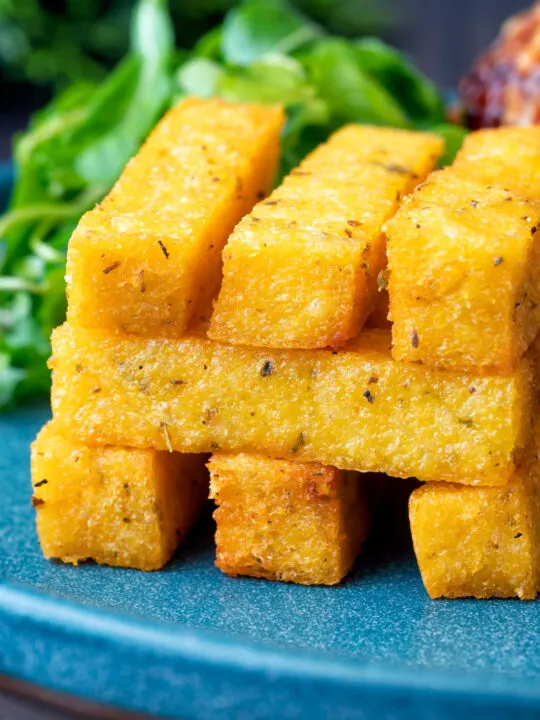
{"x":264,"y":52}
{"x":351,"y":93}
{"x":453,"y":135}
{"x":200,"y":76}
{"x":419,"y":98}
{"x":259,"y":27}
{"x":73,"y":152}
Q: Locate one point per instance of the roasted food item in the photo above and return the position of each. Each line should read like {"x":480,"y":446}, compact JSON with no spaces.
{"x":148,"y":259}
{"x":301,"y":270}
{"x":503,"y":85}
{"x":506,"y":157}
{"x":357,"y":409}
{"x":117,"y":506}
{"x":281,"y":520}
{"x":464,"y":274}
{"x":481,"y":542}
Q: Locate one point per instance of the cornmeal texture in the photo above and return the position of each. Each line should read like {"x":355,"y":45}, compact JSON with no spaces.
{"x":357,"y":409}
{"x":507,"y":157}
{"x":281,"y":520}
{"x":301,"y":270}
{"x":148,"y":259}
{"x":464,"y":275}
{"x":479,"y":542}
{"x":123,"y":507}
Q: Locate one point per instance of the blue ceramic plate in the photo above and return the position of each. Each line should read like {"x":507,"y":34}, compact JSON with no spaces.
{"x":189,"y":642}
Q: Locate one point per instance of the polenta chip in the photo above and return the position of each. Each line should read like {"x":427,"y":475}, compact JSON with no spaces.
{"x":478,"y":541}
{"x":117,"y":506}
{"x":301,"y":270}
{"x":281,"y":520}
{"x":357,"y":409}
{"x":148,"y":259}
{"x":508,"y":157}
{"x":464,"y":275}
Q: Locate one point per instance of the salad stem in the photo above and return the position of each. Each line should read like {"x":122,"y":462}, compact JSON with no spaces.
{"x":50,"y":211}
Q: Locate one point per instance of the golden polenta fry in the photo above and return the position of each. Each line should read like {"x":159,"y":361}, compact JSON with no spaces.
{"x":148,"y":259}
{"x":301,"y":270}
{"x":357,"y":409}
{"x":281,"y":520}
{"x":117,"y":506}
{"x":464,"y":275}
{"x":478,"y":541}
{"x":507,"y":157}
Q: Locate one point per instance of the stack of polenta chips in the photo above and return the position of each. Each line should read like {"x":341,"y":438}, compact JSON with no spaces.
{"x":146,"y":263}
{"x":162,"y":360}
{"x":464,"y":284}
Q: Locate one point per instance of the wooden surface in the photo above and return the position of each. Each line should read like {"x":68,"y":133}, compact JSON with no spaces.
{"x":21,"y":701}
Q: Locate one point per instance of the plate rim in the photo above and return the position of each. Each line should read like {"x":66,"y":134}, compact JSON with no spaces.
{"x":34,"y":615}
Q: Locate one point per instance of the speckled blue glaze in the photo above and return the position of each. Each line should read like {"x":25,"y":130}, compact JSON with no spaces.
{"x":188,"y":642}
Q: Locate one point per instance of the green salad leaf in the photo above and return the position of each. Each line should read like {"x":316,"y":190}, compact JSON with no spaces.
{"x":72,"y":153}
{"x":453,"y":135}
{"x":419,"y":98}
{"x":259,"y":27}
{"x":350,"y":91}
{"x":200,"y":76}
{"x":265,"y":51}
